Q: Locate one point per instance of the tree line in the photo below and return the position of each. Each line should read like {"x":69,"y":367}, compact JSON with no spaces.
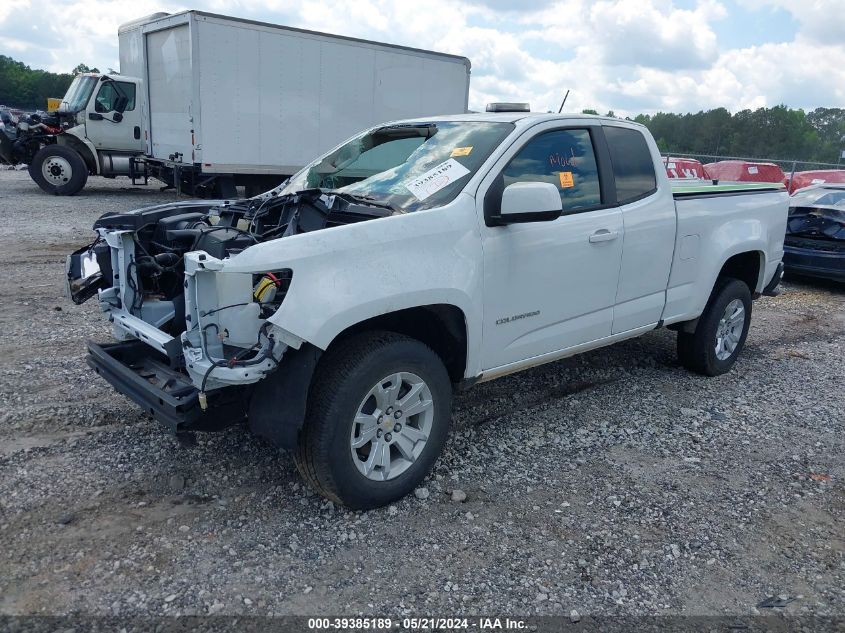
{"x":777,"y":133}
{"x":28,"y":89}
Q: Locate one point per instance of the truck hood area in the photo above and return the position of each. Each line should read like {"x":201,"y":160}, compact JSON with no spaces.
{"x":162,"y":235}
{"x":154,"y":273}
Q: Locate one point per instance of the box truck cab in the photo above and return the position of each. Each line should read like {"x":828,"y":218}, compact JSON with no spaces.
{"x":206,"y":103}
{"x":100,"y":133}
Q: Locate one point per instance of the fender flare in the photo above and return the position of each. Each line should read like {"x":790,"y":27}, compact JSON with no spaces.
{"x":742,"y":248}
{"x":83,"y":147}
{"x":278,"y":403}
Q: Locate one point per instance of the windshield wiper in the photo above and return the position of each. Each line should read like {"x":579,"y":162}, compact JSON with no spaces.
{"x":361,"y":199}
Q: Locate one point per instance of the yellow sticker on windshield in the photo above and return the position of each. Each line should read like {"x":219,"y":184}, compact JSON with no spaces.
{"x":566,"y":179}
{"x":461,"y":151}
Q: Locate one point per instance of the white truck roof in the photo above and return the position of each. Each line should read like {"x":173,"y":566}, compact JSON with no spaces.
{"x":143,"y":21}
{"x":527,"y":118}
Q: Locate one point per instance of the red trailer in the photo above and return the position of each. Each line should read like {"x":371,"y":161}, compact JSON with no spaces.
{"x":806,"y":178}
{"x":744,"y":171}
{"x":683,"y":168}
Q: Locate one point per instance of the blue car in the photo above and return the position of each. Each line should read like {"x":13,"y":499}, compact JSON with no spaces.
{"x":815,"y":232}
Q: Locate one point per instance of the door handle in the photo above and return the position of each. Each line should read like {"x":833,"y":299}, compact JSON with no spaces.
{"x":603,"y":235}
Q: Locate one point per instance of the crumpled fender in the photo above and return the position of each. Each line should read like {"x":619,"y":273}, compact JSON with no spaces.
{"x":347,"y":274}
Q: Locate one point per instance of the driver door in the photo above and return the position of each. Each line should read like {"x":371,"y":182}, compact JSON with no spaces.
{"x":549,"y":286}
{"x":111,"y":130}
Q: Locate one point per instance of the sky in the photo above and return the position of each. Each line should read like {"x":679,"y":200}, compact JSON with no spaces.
{"x":628,"y":56}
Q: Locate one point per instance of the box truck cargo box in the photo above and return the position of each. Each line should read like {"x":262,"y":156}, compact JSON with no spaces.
{"x":205,"y":103}
{"x":231,"y":96}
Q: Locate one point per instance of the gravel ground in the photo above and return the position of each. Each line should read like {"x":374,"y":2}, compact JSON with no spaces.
{"x":612,"y":483}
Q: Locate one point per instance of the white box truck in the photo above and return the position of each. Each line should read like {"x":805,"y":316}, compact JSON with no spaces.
{"x":206,"y":102}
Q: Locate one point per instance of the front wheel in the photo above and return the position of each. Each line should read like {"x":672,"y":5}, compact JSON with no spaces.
{"x":721,"y":331}
{"x":378,"y":417}
{"x":58,"y":170}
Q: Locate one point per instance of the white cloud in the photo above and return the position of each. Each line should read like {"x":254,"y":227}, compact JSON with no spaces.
{"x":821,"y":21}
{"x":656,"y":35}
{"x":626,"y":55}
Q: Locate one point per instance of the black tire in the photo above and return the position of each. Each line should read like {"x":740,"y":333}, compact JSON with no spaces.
{"x":697,"y":351}
{"x":64,"y":159}
{"x":343,"y":378}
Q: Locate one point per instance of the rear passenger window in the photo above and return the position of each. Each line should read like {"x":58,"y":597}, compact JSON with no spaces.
{"x":564,"y":158}
{"x":633,"y":167}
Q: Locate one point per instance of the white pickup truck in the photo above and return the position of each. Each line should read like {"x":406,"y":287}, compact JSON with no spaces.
{"x":337,"y":313}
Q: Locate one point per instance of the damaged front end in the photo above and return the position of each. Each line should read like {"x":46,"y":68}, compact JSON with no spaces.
{"x":193,"y":337}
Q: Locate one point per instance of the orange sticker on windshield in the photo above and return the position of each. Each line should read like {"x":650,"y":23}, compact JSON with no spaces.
{"x":566,"y":179}
{"x":461,"y":151}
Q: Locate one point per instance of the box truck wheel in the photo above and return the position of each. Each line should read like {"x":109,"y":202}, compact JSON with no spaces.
{"x":378,"y":415}
{"x":58,"y":170}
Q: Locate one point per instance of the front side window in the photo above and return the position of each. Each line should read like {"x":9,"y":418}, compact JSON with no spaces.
{"x":410,"y":166}
{"x":633,"y":166}
{"x":564,"y":158}
{"x":110,"y":92}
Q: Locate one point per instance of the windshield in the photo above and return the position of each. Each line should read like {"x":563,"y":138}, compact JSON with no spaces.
{"x":78,"y":93}
{"x":409,"y":166}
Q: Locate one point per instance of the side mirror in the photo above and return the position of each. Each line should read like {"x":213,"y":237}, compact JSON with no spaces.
{"x":530,"y":202}
{"x":120,"y":104}
{"x":117,"y":117}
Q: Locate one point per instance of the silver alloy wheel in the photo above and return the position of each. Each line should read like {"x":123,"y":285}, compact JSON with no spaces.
{"x":391,"y":426}
{"x":56,"y":170}
{"x":729,"y":330}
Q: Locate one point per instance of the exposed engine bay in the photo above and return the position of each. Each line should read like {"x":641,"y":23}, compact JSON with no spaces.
{"x":21,"y":139}
{"x":163,"y":234}
{"x":148,"y":269}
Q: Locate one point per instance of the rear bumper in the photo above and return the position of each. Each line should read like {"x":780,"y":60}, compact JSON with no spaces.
{"x":145,"y":376}
{"x":815,"y":258}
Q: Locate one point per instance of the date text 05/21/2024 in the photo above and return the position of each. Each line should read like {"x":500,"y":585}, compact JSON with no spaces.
{"x":417,"y":624}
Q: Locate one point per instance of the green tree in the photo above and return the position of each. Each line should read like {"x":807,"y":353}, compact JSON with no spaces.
{"x":778,"y":132}
{"x":829,"y":124}
{"x":82,"y":68}
{"x":23,"y":87}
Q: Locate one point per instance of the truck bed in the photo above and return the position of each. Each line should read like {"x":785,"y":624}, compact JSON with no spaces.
{"x":682,"y":190}
{"x":710,"y":219}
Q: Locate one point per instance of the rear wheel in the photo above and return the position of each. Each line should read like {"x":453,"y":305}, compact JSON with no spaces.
{"x":58,"y":170}
{"x":721,"y":331}
{"x":378,"y":417}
